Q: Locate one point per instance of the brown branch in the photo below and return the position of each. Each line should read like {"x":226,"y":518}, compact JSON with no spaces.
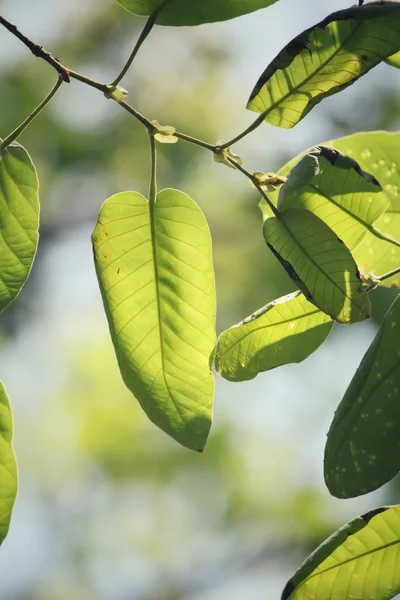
{"x":37,"y":50}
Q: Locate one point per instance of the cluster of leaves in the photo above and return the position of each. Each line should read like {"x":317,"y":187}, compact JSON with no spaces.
{"x":330,"y":216}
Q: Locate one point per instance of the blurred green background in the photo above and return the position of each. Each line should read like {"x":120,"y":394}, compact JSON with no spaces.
{"x":109,"y":508}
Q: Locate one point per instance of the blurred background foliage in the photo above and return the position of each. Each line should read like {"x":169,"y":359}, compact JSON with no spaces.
{"x":109,"y":508}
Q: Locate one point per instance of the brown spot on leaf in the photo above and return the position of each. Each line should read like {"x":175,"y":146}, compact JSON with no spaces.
{"x":118,"y":271}
{"x":394,"y":284}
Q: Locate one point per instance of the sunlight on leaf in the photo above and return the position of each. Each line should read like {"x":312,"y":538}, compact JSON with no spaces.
{"x":8,"y":465}
{"x":363,"y":447}
{"x":324,"y":60}
{"x":319,"y":263}
{"x":360,"y":561}
{"x":284,"y":331}
{"x":19,"y":221}
{"x":157,"y":281}
{"x":335,"y":188}
{"x":377,"y":152}
{"x":182,"y":12}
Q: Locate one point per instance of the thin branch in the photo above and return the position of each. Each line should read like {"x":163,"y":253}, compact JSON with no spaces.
{"x":389,"y":274}
{"x":40,"y":52}
{"x":136,"y":114}
{"x":251,"y":128}
{"x":145,"y":32}
{"x":195,"y":141}
{"x":256,"y":184}
{"x":17,"y":132}
{"x":153,"y":170}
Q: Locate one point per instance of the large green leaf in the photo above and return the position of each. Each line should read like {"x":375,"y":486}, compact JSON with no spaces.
{"x":19,"y":220}
{"x":156,"y":277}
{"x":324,"y":60}
{"x":376,"y":152}
{"x":363,"y":447}
{"x":284,"y":331}
{"x":8,"y":465}
{"x":320,"y":264}
{"x":335,"y":188}
{"x":361,"y":561}
{"x":195,"y":12}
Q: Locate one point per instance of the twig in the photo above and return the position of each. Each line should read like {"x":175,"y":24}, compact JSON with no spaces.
{"x":17,"y":132}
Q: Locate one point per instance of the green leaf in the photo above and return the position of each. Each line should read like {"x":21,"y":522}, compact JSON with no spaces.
{"x":156,"y":277}
{"x":8,"y":465}
{"x":376,"y":152}
{"x":320,"y":264}
{"x":324,"y":60}
{"x":394,"y":60}
{"x":182,"y":12}
{"x":363,"y":447}
{"x":360,"y":561}
{"x":284,"y":331}
{"x":335,"y":188}
{"x":19,"y":220}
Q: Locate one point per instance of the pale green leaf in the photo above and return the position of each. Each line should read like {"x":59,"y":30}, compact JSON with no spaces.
{"x":157,"y":281}
{"x":184,"y":12}
{"x":319,"y":263}
{"x":324,"y":60}
{"x":376,"y":152}
{"x":361,"y":561}
{"x":363,"y":447}
{"x":335,"y":188}
{"x":19,"y":220}
{"x":284,"y":331}
{"x":8,"y":465}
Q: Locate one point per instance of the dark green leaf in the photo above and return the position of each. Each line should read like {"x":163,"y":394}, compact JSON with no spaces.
{"x":363,"y":447}
{"x":195,"y":12}
{"x":319,"y":263}
{"x":284,"y":331}
{"x":361,"y":561}
{"x":335,"y":188}
{"x":157,"y":281}
{"x":324,"y":60}
{"x":19,"y":220}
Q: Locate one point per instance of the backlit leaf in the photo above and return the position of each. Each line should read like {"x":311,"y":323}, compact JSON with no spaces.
{"x":360,"y":561}
{"x":284,"y":331}
{"x":156,"y":277}
{"x":19,"y":220}
{"x":335,"y":188}
{"x":195,"y":12}
{"x":8,"y":465}
{"x":376,"y":152}
{"x":319,"y":263}
{"x":363,"y":447}
{"x":324,"y":60}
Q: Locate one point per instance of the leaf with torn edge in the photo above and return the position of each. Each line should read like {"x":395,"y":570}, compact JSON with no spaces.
{"x":335,"y":188}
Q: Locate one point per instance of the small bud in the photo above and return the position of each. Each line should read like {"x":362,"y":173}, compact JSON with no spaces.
{"x":223,"y":156}
{"x":164,"y":133}
{"x":268,"y":181}
{"x":114,"y":92}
